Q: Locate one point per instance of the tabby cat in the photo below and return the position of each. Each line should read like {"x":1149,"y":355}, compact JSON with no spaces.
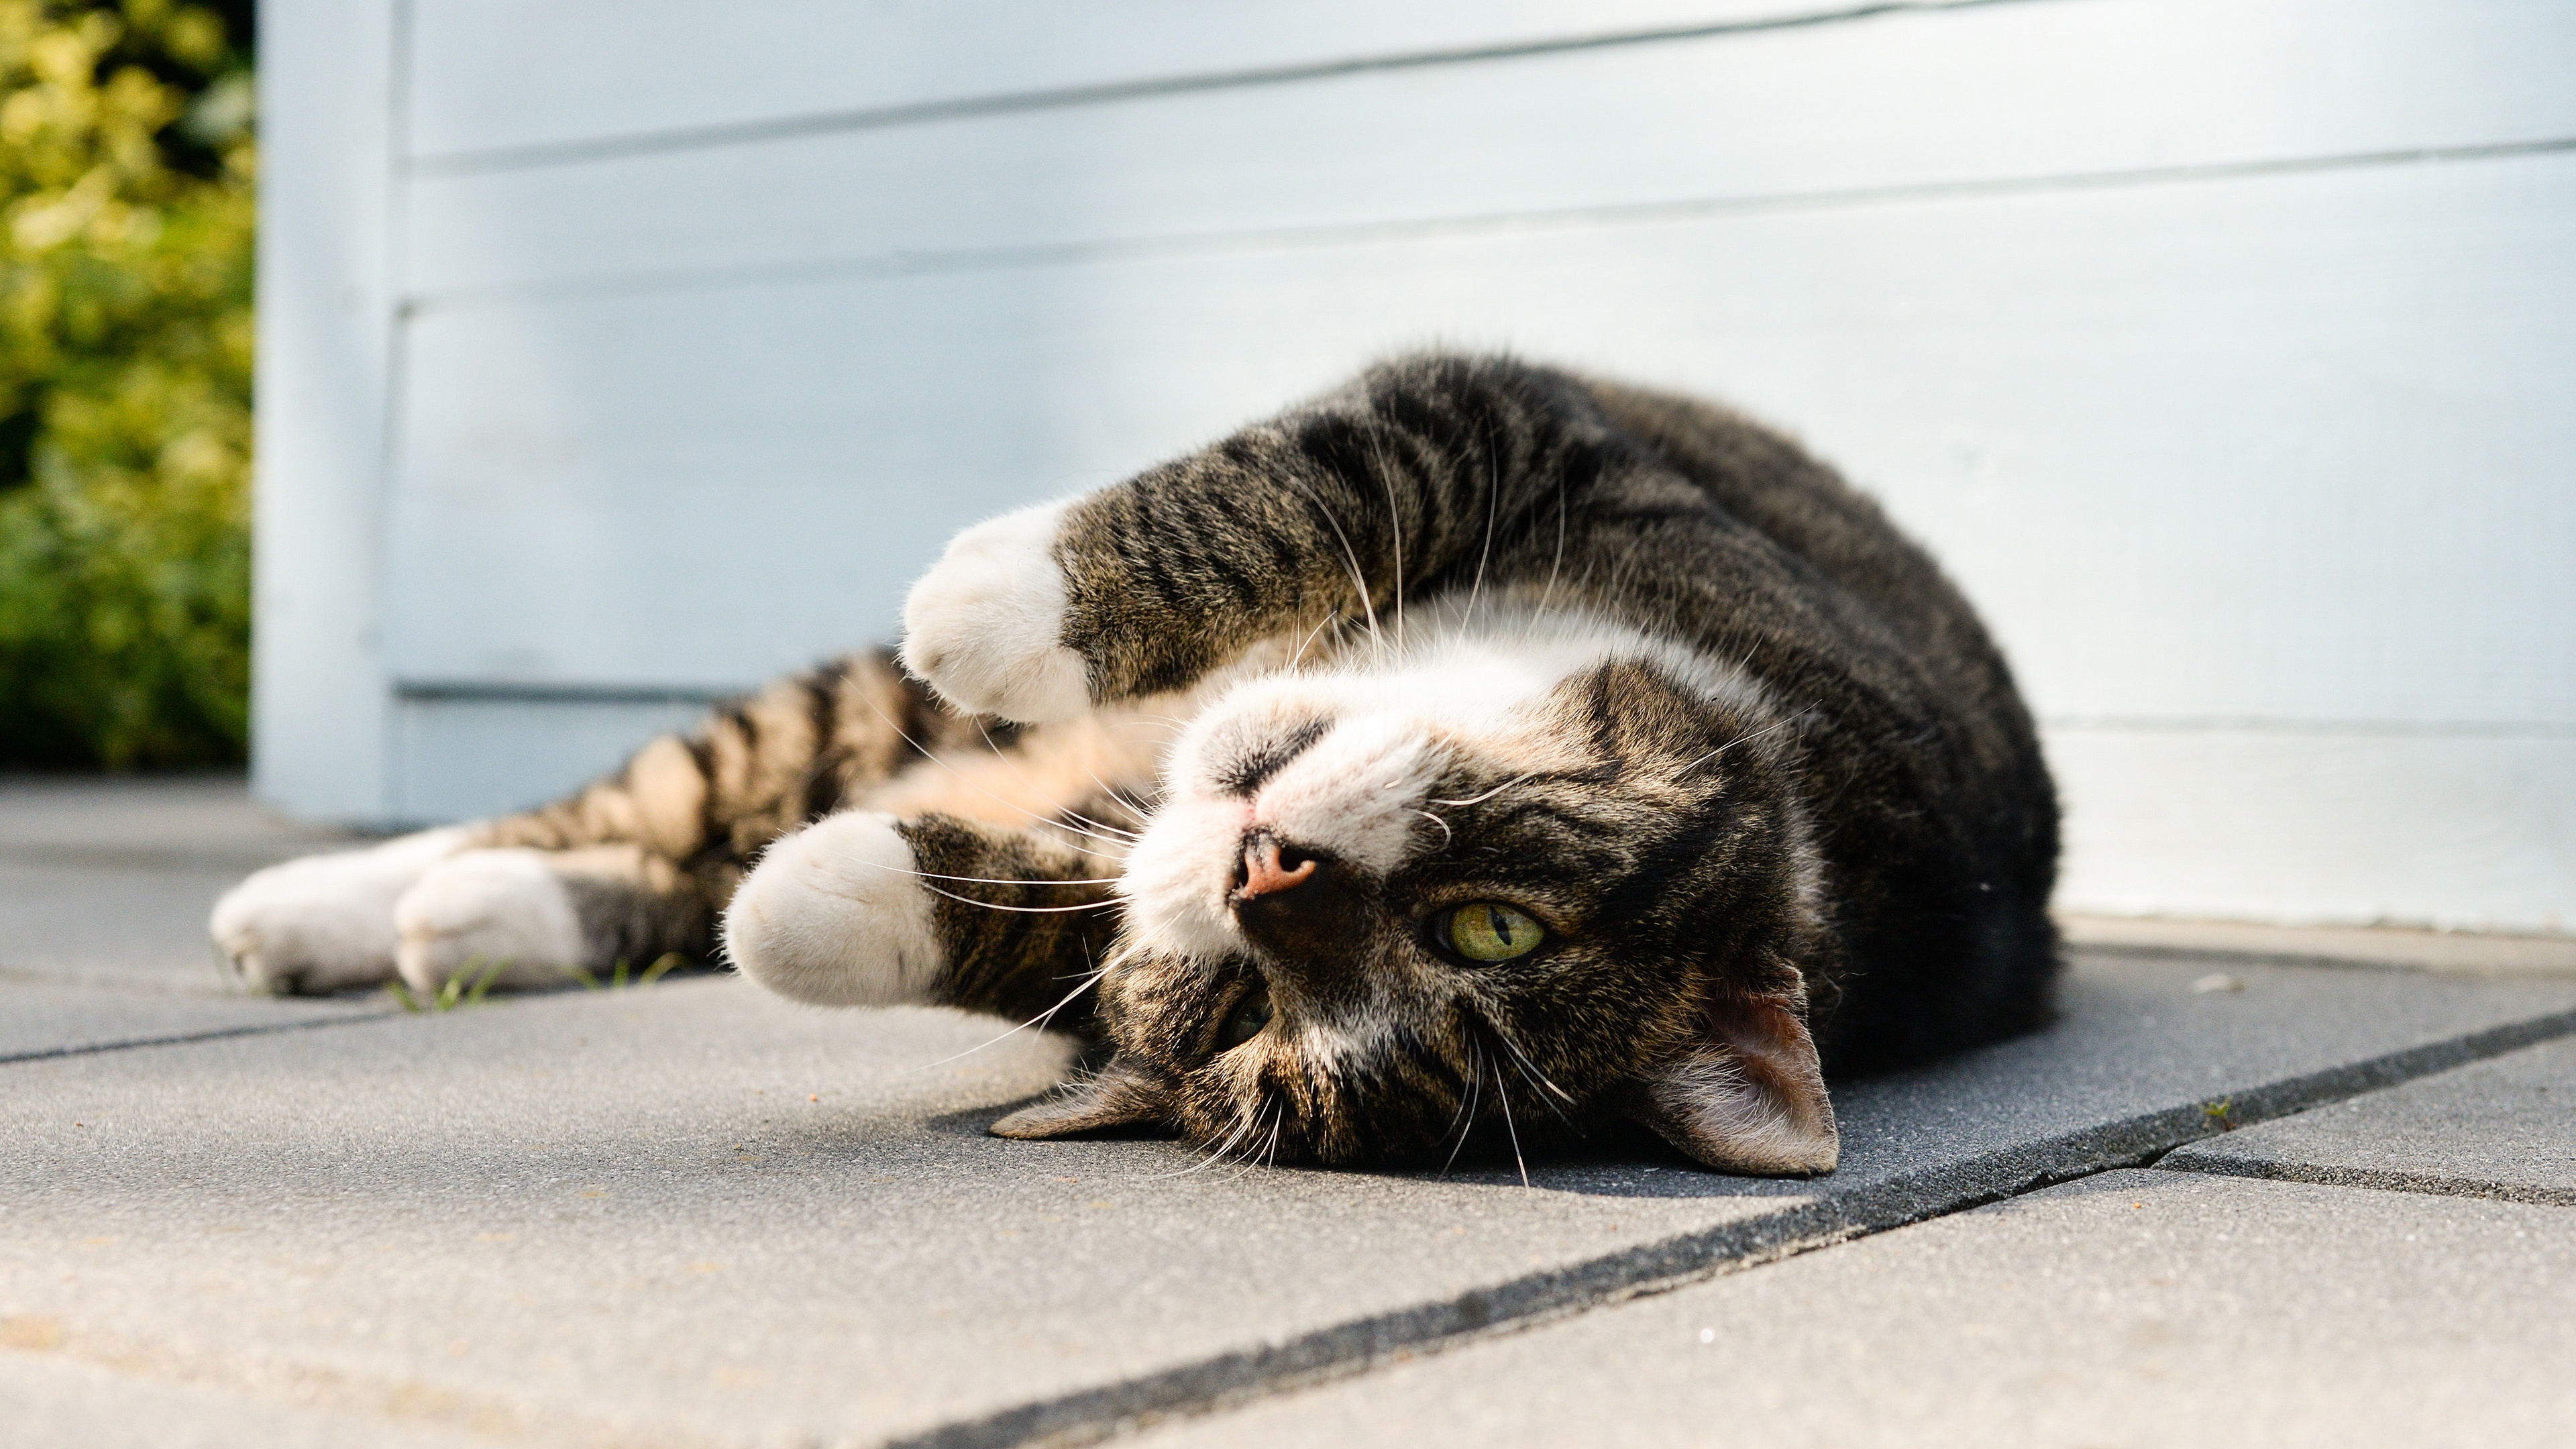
{"x":1480,"y":752}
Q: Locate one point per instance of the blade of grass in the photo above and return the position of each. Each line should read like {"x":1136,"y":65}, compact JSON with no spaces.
{"x":474,"y":994}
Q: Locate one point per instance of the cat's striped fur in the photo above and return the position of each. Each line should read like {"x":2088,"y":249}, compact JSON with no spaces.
{"x":1467,"y":631}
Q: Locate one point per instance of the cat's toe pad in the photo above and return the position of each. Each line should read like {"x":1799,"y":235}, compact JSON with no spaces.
{"x":835,"y":915}
{"x":986,"y":625}
{"x":501,"y":915}
{"x":326,"y":922}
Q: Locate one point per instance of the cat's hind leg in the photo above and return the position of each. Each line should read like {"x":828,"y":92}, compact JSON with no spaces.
{"x":326,"y":923}
{"x":700,"y":805}
{"x":868,"y":909}
{"x":524,"y":918}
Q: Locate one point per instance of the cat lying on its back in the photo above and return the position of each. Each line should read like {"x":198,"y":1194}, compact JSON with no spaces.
{"x":1480,"y":751}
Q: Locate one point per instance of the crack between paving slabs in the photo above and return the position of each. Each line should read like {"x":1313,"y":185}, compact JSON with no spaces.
{"x":1230,"y":1380}
{"x":220,"y":1033}
{"x":2376,"y":1180}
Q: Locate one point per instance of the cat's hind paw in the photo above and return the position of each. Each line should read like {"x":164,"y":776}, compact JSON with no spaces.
{"x":985,"y":627}
{"x":491,"y":917}
{"x":836,"y":915}
{"x":325,"y":922}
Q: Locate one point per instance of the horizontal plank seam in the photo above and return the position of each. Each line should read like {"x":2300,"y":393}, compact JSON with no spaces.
{"x":470,"y":691}
{"x":2254,"y":724}
{"x":1360,"y":1345}
{"x":513,"y":692}
{"x":1040,"y":254}
{"x":912,"y":113}
{"x":2372,"y":1178}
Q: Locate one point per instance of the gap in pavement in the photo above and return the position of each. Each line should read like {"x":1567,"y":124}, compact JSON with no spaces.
{"x":1350,"y":1350}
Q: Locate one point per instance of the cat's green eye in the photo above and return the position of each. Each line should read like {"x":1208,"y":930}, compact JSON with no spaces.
{"x":1247,"y":1019}
{"x":1491,"y":931}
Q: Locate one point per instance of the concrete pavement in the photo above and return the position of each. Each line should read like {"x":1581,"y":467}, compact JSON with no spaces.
{"x":2129,"y":1308}
{"x":690,"y":1214}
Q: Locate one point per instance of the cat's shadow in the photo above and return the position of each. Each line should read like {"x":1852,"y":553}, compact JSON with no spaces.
{"x":1620,"y":1160}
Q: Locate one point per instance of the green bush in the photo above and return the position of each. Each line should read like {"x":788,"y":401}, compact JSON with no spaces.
{"x":127,"y":170}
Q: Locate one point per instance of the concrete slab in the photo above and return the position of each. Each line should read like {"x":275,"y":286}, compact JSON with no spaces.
{"x":2467,"y":953}
{"x":2500,"y":1128}
{"x":696,"y":1213}
{"x":108,"y":880}
{"x":43,"y":1018}
{"x":112,"y":925}
{"x":2134,"y":1308}
{"x":184,"y":822}
{"x":57,"y":1402}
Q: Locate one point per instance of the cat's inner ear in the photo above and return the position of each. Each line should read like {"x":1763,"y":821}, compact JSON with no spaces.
{"x":1121,"y":1101}
{"x":1750,"y":1097}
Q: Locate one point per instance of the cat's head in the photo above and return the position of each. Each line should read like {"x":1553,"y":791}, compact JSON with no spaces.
{"x":1507,"y":890}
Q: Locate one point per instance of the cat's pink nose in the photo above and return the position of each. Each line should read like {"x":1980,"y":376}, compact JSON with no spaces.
{"x":1269,"y":868}
{"x":1301,"y":908}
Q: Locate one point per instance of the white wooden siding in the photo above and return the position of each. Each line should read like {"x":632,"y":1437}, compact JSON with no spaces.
{"x":509,"y":79}
{"x":2221,"y":348}
{"x":1920,"y":100}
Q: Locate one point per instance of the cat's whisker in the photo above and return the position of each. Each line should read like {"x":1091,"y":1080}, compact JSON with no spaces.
{"x":1395,"y":521}
{"x":1104,"y":825}
{"x":1040,"y":1020}
{"x":1068,"y":812}
{"x":1528,"y":1068}
{"x":1110,"y":842}
{"x":1022,"y":910}
{"x":1350,"y":555}
{"x":941,"y":761}
{"x":1778,"y":724}
{"x":1488,"y":795}
{"x":1120,"y":798}
{"x":1503,"y":1095}
{"x":1099,"y":829}
{"x":1465,"y":1120}
{"x":1297,"y":655}
{"x":1556,"y":569}
{"x":978,"y":879}
{"x":1539,"y":1080}
{"x":1448,"y":837}
{"x":1493,"y":500}
{"x":1252,"y":1160}
{"x":1216,"y":1154}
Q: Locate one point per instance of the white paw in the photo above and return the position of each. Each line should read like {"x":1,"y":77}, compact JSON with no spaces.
{"x":505,"y":912}
{"x":835,"y":916}
{"x":986,"y":625}
{"x":325,"y":922}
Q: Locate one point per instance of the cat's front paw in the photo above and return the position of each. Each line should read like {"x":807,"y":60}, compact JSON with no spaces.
{"x":985,"y":626}
{"x":326,"y":922}
{"x":836,"y":915}
{"x":494,"y":917}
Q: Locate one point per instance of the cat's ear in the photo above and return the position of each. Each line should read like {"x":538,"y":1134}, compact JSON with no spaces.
{"x":1121,"y":1100}
{"x":1751,"y":1096}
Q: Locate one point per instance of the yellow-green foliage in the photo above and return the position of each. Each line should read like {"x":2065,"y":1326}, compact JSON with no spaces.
{"x":126,"y":222}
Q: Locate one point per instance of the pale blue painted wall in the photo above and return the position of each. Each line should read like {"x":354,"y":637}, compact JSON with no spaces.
{"x":2223,"y":348}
